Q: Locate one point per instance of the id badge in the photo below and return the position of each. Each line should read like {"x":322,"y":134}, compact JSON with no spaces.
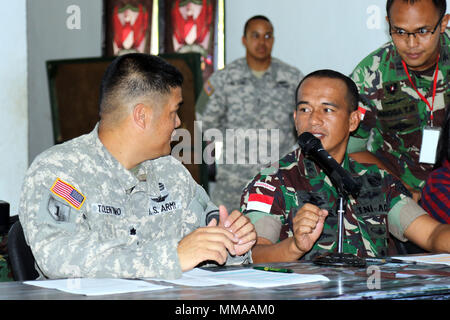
{"x":430,"y":139}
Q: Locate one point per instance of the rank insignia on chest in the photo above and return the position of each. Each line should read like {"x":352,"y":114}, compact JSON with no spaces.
{"x":68,"y":193}
{"x":391,"y":88}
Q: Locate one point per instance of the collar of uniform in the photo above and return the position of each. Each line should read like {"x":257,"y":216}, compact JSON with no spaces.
{"x":126,"y":179}
{"x":444,"y":59}
{"x":397,"y":61}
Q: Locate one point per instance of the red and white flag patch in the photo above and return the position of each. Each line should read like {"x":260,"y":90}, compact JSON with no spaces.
{"x":362,"y":111}
{"x":259,"y":202}
{"x":67,"y":192}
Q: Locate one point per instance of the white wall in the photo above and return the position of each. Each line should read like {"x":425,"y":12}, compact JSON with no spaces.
{"x":13,"y":101}
{"x":312,"y":35}
{"x":55,"y":32}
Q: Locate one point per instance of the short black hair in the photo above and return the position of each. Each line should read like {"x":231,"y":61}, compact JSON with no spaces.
{"x":257,"y":17}
{"x":441,"y":5}
{"x":135,"y":75}
{"x":443,"y":151}
{"x":352,"y":96}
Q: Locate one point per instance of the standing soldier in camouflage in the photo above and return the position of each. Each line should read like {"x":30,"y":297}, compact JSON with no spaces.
{"x":112,"y":203}
{"x":254,"y":92}
{"x":294,"y":207}
{"x":405,"y":88}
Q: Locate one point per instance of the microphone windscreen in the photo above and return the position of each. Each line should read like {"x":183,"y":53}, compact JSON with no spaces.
{"x":308,"y":142}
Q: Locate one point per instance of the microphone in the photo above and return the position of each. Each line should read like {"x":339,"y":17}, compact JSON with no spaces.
{"x":341,"y":179}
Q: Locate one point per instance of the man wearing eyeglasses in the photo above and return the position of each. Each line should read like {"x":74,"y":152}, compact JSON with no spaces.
{"x":404,"y":87}
{"x":250,"y":93}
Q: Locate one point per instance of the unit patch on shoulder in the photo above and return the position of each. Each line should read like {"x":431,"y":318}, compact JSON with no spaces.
{"x":264,"y":185}
{"x":209,"y":89}
{"x":66,"y":192}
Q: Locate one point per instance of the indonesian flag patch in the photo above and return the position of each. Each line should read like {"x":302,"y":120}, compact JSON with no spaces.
{"x":362,"y":111}
{"x":259,"y":202}
{"x":66,"y":192}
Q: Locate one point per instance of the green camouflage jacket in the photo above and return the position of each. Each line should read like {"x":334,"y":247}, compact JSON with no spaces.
{"x":274,"y":196}
{"x":395,"y":114}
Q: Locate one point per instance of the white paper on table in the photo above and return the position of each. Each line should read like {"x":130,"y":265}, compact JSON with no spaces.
{"x":265,"y":279}
{"x":243,"y":277}
{"x":195,"y":278}
{"x":432,"y":258}
{"x":97,"y":287}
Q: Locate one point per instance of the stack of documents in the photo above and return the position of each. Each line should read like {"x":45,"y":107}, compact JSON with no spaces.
{"x":243,"y":277}
{"x":196,"y":277}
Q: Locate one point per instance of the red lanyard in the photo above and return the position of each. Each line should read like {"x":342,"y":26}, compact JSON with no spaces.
{"x":434,"y":87}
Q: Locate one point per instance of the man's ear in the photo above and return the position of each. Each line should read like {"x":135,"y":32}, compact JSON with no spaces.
{"x":354,"y":120}
{"x":141,"y":115}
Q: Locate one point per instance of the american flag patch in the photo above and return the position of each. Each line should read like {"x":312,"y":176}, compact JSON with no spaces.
{"x":259,"y":202}
{"x":67,"y":192}
{"x":362,"y":111}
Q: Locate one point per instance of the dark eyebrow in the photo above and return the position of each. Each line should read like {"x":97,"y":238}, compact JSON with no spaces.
{"x":425,"y":26}
{"x":302,"y":102}
{"x":331,"y":104}
{"x":324,"y":103}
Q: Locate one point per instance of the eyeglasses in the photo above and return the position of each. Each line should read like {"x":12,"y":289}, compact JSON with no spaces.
{"x":423,"y":33}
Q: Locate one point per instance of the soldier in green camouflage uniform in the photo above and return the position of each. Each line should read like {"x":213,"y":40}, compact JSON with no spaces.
{"x":5,"y":270}
{"x":299,"y":181}
{"x":395,"y":114}
{"x":87,"y":211}
{"x":238,"y":97}
{"x":293,"y":204}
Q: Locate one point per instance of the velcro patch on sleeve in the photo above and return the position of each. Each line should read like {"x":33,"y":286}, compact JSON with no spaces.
{"x":209,"y":89}
{"x":259,"y":202}
{"x":362,"y":111}
{"x":67,"y":192}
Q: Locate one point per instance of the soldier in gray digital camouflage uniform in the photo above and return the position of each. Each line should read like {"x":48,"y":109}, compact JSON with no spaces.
{"x":254,"y":92}
{"x":113,"y":203}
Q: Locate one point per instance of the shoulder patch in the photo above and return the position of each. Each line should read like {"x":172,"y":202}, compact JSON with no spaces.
{"x":209,"y":89}
{"x":362,"y":112}
{"x":264,"y":185}
{"x":66,"y":192}
{"x":259,"y":202}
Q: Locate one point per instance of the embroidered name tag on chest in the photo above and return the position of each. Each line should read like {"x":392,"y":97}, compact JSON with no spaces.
{"x":107,"y":210}
{"x":163,"y":206}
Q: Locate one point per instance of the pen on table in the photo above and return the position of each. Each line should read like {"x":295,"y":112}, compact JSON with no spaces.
{"x":283,"y":270}
{"x":388,"y":260}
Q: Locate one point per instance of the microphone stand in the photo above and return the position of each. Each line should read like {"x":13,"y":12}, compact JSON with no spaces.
{"x":339,"y":258}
